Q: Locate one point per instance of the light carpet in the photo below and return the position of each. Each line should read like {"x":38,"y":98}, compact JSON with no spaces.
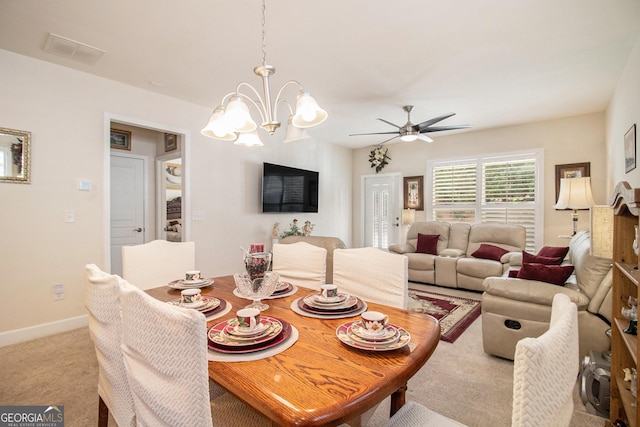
{"x":455,"y":314}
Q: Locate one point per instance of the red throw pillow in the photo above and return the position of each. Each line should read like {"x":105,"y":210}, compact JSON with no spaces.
{"x":513,"y":273}
{"x":553,"y":251}
{"x":528,"y":258}
{"x":428,"y":244}
{"x":555,"y":274}
{"x":489,"y":252}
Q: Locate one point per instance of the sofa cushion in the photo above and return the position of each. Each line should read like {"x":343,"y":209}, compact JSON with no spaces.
{"x":531,"y":291}
{"x":427,"y":244}
{"x":492,"y":252}
{"x":555,"y":274}
{"x":528,"y":258}
{"x":554,"y":251}
{"x":478,"y":267}
{"x":429,"y":227}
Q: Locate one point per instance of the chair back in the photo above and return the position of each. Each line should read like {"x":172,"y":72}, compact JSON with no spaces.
{"x":373,"y":275}
{"x":157,"y":263}
{"x":102,"y":300}
{"x":165,"y":356}
{"x":545,"y":370}
{"x":301,"y":263}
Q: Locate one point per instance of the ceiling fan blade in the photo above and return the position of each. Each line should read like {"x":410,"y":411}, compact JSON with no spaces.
{"x":389,"y":123}
{"x":375,"y":133}
{"x":389,"y":139}
{"x":443,"y":128}
{"x":427,"y":123}
{"x":425,"y":138}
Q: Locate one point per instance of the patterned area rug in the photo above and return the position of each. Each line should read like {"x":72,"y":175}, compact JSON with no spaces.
{"x":454,"y":313}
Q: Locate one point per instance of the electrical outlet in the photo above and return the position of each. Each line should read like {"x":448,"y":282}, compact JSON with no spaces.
{"x":58,"y":292}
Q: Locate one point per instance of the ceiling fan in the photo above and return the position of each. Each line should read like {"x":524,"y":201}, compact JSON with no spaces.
{"x":410,"y":132}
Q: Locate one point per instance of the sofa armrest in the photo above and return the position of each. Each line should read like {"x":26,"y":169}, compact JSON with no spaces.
{"x":514,"y":259}
{"x":531,"y":291}
{"x":404,"y":248}
{"x":450,"y":252}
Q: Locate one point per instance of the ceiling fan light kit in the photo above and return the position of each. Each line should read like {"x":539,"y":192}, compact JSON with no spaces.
{"x":410,"y":132}
{"x":234,"y":122}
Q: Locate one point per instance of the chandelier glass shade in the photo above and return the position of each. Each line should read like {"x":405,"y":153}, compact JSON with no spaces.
{"x":231,"y":120}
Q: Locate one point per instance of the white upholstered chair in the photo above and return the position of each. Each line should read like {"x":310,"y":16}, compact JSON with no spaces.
{"x":165,"y":356}
{"x":544,"y":376}
{"x":373,"y":275}
{"x":301,"y":264}
{"x":157,"y":263}
{"x":102,"y":300}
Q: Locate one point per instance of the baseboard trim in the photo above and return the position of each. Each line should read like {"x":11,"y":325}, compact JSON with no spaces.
{"x":32,"y":332}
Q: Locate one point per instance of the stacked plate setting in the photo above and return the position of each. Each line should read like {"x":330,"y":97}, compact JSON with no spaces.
{"x":341,"y":304}
{"x":188,"y":284}
{"x":282,"y":288}
{"x":354,"y":335}
{"x":208,"y":305}
{"x":227,"y":337}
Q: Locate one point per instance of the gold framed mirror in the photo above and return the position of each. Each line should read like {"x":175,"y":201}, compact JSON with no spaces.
{"x":15,"y":159}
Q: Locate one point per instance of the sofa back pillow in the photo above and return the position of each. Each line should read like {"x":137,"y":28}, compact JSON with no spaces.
{"x":427,"y":244}
{"x":492,"y":252}
{"x":511,"y":237}
{"x":590,"y":270}
{"x":528,"y":258}
{"x":429,"y":227}
{"x":554,"y":274}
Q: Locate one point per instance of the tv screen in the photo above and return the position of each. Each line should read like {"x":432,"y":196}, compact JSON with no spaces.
{"x":286,"y":189}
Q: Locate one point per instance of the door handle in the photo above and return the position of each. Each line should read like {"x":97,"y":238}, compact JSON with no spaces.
{"x":139,"y":230}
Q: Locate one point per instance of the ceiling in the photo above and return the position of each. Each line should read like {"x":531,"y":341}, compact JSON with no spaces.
{"x":494,"y":62}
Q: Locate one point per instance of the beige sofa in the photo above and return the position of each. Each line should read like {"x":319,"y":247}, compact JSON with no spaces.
{"x":453,"y":264}
{"x":329,"y":243}
{"x":514,"y":308}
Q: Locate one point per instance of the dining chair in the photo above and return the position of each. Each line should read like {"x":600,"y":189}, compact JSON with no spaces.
{"x":157,"y":263}
{"x":102,"y":300}
{"x":373,"y":275}
{"x":165,"y":357}
{"x":300,"y":263}
{"x":545,"y":370}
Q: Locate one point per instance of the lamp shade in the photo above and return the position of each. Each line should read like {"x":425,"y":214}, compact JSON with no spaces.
{"x":238,"y":117}
{"x":601,"y":231}
{"x":218,"y":128}
{"x":249,"y":139}
{"x":294,"y":133}
{"x":575,"y":193}
{"x":408,"y":216}
{"x":308,"y":112}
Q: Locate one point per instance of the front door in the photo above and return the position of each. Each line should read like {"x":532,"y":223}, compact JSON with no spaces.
{"x":381,"y":210}
{"x":127,"y":206}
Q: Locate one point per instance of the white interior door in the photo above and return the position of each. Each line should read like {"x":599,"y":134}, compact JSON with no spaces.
{"x":127,"y":206}
{"x":382,"y":210}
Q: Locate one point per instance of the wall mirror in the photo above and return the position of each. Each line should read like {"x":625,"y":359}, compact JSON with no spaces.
{"x":15,"y":161}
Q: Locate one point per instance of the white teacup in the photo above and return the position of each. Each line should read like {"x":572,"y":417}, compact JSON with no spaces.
{"x":329,"y":291}
{"x":190,"y":296}
{"x":247,"y":319}
{"x":192,"y":275}
{"x":373,"y":322}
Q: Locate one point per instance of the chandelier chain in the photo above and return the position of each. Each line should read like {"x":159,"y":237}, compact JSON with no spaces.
{"x":264,"y":32}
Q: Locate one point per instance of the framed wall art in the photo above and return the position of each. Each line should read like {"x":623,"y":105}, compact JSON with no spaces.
{"x":414,"y":193}
{"x":170,"y":142}
{"x":571,"y":170}
{"x":630,"y":149}
{"x":120,"y":139}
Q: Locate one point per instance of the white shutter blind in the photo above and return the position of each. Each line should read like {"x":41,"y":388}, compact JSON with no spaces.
{"x":454,"y":192}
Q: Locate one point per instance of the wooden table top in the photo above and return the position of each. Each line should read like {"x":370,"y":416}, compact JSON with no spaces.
{"x":319,"y":381}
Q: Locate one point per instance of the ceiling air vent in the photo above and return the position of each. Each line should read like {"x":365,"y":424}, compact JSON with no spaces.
{"x":72,"y":49}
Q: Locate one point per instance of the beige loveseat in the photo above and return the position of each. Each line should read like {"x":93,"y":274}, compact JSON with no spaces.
{"x":329,"y":243}
{"x":453,"y":265}
{"x":514,"y":308}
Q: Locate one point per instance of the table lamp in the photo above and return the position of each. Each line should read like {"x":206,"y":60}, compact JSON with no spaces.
{"x":408,"y":216}
{"x":575,"y":193}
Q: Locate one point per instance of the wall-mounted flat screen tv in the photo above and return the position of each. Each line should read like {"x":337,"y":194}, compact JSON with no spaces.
{"x":286,"y":189}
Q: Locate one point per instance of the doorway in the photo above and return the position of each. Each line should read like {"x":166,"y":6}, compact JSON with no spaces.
{"x":381,"y":210}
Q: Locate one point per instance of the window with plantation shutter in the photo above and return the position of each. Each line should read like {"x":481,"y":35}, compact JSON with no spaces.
{"x":496,"y":188}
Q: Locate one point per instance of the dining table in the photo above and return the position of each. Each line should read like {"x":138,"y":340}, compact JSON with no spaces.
{"x":318,"y":380}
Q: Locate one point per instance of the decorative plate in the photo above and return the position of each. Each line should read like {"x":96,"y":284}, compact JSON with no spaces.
{"x":183,"y":284}
{"x":207,"y":304}
{"x":352,"y":304}
{"x":219,"y":334}
{"x":343,"y":333}
{"x":357,"y":333}
{"x":281,"y":337}
{"x":321,"y":301}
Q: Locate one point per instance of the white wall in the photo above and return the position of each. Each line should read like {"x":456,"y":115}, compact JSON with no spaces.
{"x":65,"y":111}
{"x":569,"y":140}
{"x":623,"y":112}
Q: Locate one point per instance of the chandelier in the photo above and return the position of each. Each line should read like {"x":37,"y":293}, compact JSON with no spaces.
{"x":231,"y":120}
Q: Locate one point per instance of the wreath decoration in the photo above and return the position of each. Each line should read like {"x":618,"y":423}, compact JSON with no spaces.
{"x":378,"y":158}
